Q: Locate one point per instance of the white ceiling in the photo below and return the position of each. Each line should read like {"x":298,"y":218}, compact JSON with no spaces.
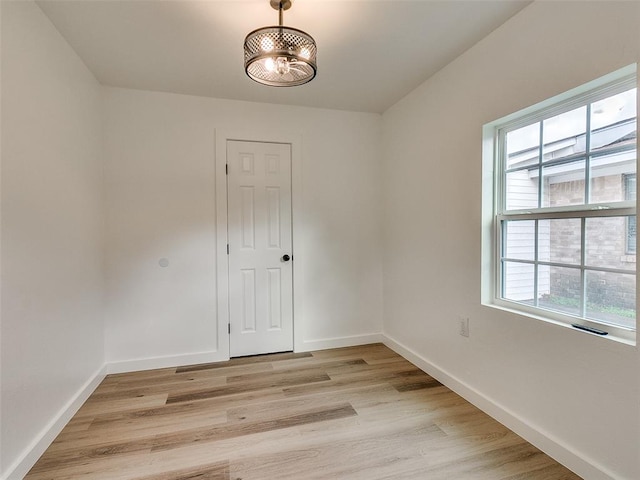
{"x":370,"y":53}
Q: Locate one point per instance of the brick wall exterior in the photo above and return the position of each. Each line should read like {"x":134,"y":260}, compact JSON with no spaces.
{"x":609,"y":233}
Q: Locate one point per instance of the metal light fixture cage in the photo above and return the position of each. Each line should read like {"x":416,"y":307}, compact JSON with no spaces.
{"x":280,"y":56}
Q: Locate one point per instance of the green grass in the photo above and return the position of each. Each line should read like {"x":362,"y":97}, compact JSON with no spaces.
{"x":594,"y":307}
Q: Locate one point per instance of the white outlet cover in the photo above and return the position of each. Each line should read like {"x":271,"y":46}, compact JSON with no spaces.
{"x":464,"y":327}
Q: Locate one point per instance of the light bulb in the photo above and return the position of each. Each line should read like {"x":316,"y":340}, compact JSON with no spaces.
{"x":305,"y":53}
{"x":282,"y":65}
{"x":266,"y":44}
{"x":270,"y":65}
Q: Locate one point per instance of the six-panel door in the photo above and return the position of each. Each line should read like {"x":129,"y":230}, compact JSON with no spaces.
{"x":259,"y":230}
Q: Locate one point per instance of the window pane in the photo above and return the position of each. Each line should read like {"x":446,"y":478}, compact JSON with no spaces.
{"x":523,"y":146}
{"x":522,"y":190}
{"x":565,"y":134}
{"x":559,"y":240}
{"x":559,"y":289}
{"x":610,"y":177}
{"x":518,"y":282}
{"x":520,"y":240}
{"x":613,"y":128}
{"x":611,"y":112}
{"x":606,"y":243}
{"x":563,"y":184}
{"x":611,"y":298}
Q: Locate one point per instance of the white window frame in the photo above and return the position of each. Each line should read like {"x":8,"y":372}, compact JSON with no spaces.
{"x":493,"y":201}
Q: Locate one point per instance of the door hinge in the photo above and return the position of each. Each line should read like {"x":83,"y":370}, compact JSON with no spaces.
{"x":226,"y":169}
{"x":229,"y":325}
{"x":227,"y":249}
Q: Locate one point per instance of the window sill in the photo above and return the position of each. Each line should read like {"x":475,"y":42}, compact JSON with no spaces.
{"x":617,"y":335}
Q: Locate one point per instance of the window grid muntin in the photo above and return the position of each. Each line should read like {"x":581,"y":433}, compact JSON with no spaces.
{"x":586,"y":210}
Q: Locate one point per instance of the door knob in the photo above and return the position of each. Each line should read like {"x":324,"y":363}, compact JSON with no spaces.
{"x":286,"y":258}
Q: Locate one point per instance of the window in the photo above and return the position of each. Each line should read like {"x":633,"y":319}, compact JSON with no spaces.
{"x":562,"y":208}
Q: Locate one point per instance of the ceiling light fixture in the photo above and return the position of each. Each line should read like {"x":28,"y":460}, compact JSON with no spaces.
{"x":280,"y":56}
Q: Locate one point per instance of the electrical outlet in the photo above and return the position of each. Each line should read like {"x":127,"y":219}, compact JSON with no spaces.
{"x":464,"y":326}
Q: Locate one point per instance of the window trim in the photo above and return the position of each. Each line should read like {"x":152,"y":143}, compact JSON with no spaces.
{"x":494,"y":204}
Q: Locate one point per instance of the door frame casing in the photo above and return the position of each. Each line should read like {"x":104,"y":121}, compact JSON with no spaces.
{"x":222,"y":258}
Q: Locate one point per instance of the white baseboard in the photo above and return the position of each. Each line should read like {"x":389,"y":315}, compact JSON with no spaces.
{"x":32,"y":453}
{"x":152,"y":363}
{"x":352,"y":341}
{"x":546,"y":442}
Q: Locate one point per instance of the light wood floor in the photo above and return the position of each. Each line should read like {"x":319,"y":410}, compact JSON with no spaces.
{"x":350,"y":413}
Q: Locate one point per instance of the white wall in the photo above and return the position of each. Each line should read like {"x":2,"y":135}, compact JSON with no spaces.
{"x":574,"y":394}
{"x":160,"y":186}
{"x":52,"y":216}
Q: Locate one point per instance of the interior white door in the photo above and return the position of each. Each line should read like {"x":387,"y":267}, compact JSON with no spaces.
{"x":260,"y":248}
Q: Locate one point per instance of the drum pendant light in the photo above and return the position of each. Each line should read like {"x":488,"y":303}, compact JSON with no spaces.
{"x":280,"y":56}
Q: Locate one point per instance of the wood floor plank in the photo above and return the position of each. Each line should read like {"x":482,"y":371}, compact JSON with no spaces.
{"x":546,"y":472}
{"x":182,"y":409}
{"x":166,"y":386}
{"x":217,"y":471}
{"x":351,"y":413}
{"x":310,"y":368}
{"x":137,"y":377}
{"x":286,"y":381}
{"x":94,"y":407}
{"x":227,"y":371}
{"x":101,"y":434}
{"x":363,"y":375}
{"x":249,"y":428}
